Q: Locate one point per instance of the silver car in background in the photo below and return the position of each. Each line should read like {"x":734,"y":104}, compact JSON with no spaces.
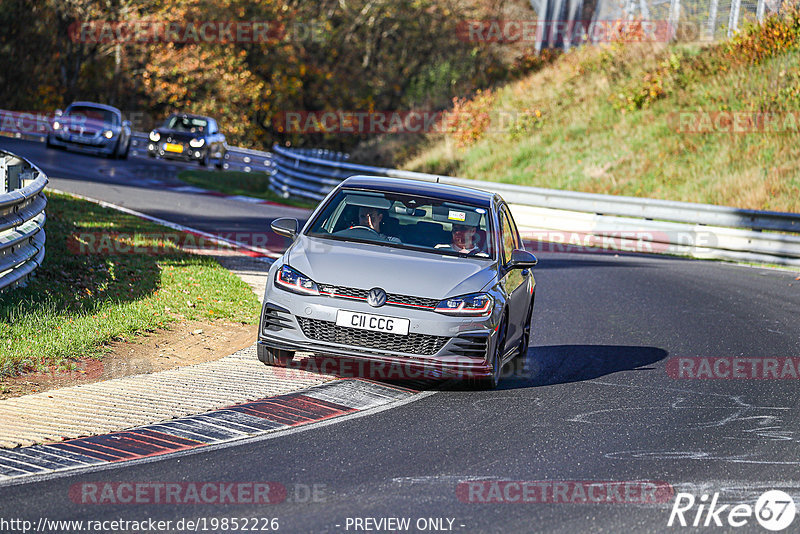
{"x":402,"y":272}
{"x":92,"y":128}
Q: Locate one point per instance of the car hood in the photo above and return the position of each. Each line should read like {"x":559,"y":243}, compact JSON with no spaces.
{"x":395,"y":270}
{"x":76,"y":123}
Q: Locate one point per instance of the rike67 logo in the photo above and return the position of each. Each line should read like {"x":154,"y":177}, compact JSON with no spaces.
{"x":774,"y":510}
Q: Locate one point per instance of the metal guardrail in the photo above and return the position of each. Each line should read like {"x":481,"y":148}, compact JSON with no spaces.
{"x":567,"y":220}
{"x":22,"y":218}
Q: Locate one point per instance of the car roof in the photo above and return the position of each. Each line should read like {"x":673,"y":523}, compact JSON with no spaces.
{"x":95,"y":105}
{"x":449,"y":192}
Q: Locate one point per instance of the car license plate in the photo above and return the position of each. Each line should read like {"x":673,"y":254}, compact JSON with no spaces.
{"x":172,"y":147}
{"x":376,"y":323}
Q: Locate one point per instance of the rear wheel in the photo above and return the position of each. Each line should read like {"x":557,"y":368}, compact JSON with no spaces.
{"x":275,"y":357}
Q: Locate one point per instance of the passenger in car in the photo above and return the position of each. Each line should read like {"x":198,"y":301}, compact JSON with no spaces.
{"x":464,"y":240}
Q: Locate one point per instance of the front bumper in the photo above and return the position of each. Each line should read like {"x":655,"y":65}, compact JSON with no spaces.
{"x":187,"y":153}
{"x":90,"y":145}
{"x":441,"y":345}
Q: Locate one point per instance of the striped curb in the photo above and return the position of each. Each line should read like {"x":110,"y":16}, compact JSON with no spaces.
{"x":130,"y":401}
{"x":325,"y":401}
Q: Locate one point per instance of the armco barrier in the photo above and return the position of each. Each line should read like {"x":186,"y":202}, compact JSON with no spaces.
{"x":572,"y":219}
{"x":22,"y":218}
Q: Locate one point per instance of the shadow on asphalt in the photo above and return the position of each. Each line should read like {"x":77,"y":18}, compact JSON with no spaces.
{"x":561,"y":364}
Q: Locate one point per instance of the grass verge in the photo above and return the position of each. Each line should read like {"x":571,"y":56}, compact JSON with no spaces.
{"x":81,"y":300}
{"x":251,"y":184}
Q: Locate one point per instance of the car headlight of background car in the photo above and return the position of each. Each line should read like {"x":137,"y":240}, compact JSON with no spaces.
{"x":292,"y":280}
{"x":155,"y":136}
{"x":56,"y":125}
{"x":197,"y":143}
{"x":108,"y":134}
{"x":475,"y":304}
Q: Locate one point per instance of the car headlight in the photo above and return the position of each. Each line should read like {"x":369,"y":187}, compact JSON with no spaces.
{"x":291,"y":280}
{"x":108,"y":134}
{"x":56,"y":125}
{"x":155,"y":136}
{"x":479,"y":304}
{"x":197,"y":143}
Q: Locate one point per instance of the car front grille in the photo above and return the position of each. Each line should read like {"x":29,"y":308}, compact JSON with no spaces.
{"x":328,"y":332}
{"x":392,"y":299}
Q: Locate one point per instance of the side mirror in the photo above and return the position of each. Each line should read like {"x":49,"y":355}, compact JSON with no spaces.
{"x":285,"y":227}
{"x":58,"y":113}
{"x":521,"y":259}
{"x":126,"y":124}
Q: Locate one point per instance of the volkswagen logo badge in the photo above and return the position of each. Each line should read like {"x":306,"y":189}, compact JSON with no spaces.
{"x":376,"y":297}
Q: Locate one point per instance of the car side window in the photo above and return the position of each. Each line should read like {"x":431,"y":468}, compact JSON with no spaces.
{"x":513,"y":227}
{"x":506,"y":235}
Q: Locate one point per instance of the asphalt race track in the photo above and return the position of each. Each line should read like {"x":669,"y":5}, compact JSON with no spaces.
{"x":594,"y":401}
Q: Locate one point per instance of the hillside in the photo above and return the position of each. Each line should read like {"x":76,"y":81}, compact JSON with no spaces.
{"x":716,"y":123}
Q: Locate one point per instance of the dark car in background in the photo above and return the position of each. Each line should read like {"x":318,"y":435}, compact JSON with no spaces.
{"x":92,"y":128}
{"x":189,"y":138}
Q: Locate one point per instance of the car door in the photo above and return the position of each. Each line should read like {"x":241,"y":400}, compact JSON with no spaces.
{"x":516,"y":282}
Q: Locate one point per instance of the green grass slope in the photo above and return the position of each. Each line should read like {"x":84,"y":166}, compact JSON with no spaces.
{"x":620,"y":119}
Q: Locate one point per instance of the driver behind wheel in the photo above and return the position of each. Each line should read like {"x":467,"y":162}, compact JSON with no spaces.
{"x":371,"y":218}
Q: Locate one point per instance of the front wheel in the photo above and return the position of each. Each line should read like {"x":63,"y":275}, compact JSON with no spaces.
{"x":492,"y":381}
{"x":124,"y":155}
{"x":275,"y":357}
{"x":524,"y":343}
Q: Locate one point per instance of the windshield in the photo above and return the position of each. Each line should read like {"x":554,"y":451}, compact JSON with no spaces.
{"x":406,"y":221}
{"x":92,"y":113}
{"x":187,"y":124}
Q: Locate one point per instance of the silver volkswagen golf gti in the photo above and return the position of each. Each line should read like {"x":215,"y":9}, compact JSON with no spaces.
{"x":402,"y":272}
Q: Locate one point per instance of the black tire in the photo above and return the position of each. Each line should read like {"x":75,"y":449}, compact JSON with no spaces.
{"x":221,"y":160}
{"x":49,"y":142}
{"x":124,"y":155}
{"x":275,"y":357}
{"x":206,"y":159}
{"x":524,"y":343}
{"x":113,"y":153}
{"x":492,"y":381}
